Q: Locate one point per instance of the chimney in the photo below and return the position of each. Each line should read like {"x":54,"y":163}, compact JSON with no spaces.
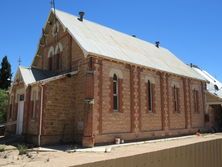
{"x":157,"y":44}
{"x":81,"y":14}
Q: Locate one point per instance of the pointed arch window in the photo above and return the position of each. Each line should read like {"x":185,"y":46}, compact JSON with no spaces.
{"x":176,"y":99}
{"x":50,"y":63}
{"x":58,"y":58}
{"x":150,"y":91}
{"x":115,"y":93}
{"x":34,"y":94}
{"x":195,"y":100}
{"x":57,"y":61}
{"x":50,"y":54}
{"x":150,"y":96}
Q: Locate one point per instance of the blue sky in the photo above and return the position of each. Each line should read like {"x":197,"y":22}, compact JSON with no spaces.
{"x":191,"y":29}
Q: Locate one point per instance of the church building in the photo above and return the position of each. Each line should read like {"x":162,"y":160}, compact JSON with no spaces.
{"x":91,"y":84}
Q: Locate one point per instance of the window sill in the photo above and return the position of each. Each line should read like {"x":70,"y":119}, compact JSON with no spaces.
{"x":116,"y":111}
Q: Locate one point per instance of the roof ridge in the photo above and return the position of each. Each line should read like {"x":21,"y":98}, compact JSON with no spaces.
{"x":112,"y":29}
{"x":97,"y":39}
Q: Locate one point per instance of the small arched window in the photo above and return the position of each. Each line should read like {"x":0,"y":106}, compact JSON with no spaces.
{"x":176,"y":99}
{"x":50,"y":54}
{"x":196,"y":100}
{"x":50,"y":63}
{"x":34,"y":94}
{"x":115,"y":93}
{"x":58,"y":59}
{"x":150,"y":96}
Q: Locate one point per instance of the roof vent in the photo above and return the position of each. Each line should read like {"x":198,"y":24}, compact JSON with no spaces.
{"x":81,"y":14}
{"x":216,"y":87}
{"x":157,"y":43}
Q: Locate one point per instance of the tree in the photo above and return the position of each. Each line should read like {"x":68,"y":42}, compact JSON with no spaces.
{"x":3,"y":105}
{"x":5,"y":73}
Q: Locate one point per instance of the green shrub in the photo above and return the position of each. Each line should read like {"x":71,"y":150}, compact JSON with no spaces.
{"x":2,"y":148}
{"x":3,"y":105}
{"x":22,"y":149}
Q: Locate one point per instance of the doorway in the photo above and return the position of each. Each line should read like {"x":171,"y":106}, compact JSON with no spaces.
{"x":20,"y":113}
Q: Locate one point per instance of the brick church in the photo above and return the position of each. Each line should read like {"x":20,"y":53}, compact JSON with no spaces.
{"x":90,"y":84}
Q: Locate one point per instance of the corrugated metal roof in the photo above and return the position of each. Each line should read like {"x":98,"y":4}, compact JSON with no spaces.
{"x":103,"y":41}
{"x":32,"y":75}
{"x":214,"y":86}
{"x":27,"y":75}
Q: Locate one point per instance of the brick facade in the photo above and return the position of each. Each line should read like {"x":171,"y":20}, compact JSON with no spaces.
{"x":79,"y":108}
{"x":135,"y":122}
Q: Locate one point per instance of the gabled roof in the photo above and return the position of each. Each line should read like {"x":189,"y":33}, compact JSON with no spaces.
{"x":32,"y":75}
{"x":213,"y":86}
{"x":102,"y":41}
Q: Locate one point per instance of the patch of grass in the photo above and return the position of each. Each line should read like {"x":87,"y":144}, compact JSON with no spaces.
{"x":22,"y":149}
{"x":2,"y":148}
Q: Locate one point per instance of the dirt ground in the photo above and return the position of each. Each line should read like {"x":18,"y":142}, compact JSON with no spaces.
{"x":58,"y":157}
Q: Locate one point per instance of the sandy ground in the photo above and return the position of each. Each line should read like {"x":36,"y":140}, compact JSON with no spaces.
{"x":52,"y":157}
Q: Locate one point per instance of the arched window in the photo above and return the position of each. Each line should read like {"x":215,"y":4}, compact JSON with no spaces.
{"x":34,"y":94}
{"x":50,"y":64}
{"x":58,"y":59}
{"x":50,"y":54}
{"x":115,"y":93}
{"x":176,"y":99}
{"x":196,"y":100}
{"x":149,"y":96}
{"x":55,"y":29}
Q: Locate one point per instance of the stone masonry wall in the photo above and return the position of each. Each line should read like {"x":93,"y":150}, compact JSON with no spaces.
{"x":150,"y":121}
{"x":134,"y":122}
{"x":197,"y":117}
{"x":177,"y":119}
{"x":63,"y":114}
